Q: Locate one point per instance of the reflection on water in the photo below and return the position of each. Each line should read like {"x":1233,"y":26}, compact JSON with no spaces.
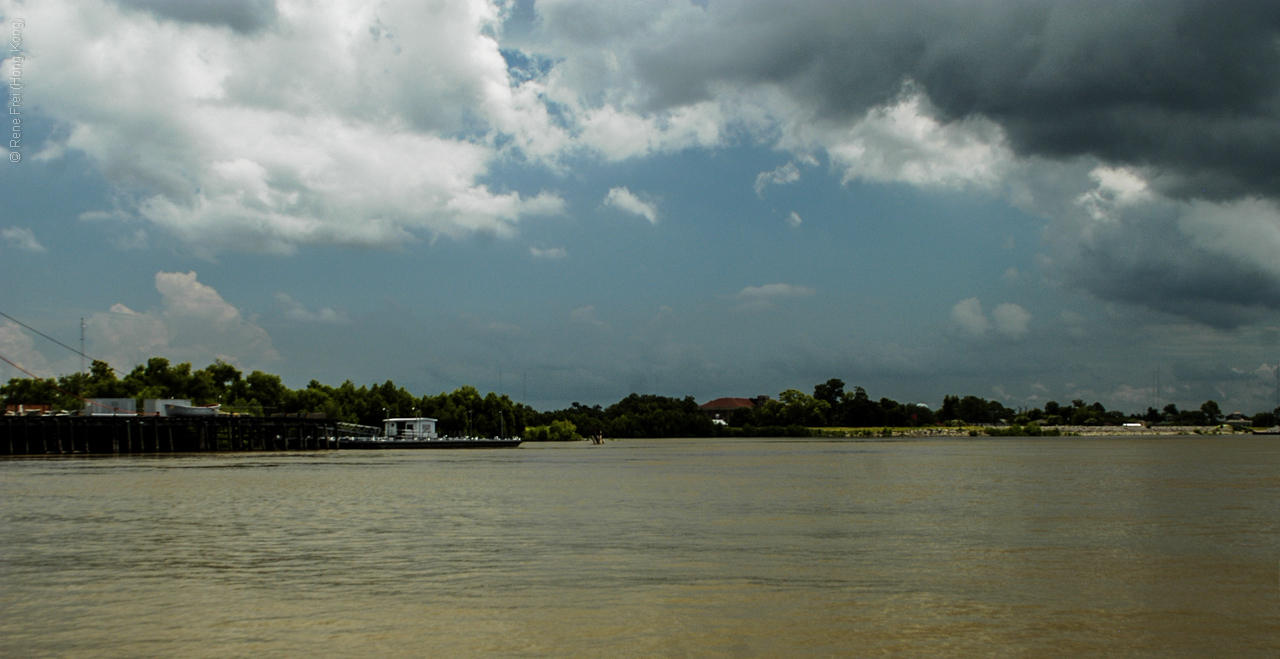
{"x":684,"y":548}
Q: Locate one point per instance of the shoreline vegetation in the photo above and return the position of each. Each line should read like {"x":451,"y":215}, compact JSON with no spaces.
{"x":1019,"y":431}
{"x":831,"y":411}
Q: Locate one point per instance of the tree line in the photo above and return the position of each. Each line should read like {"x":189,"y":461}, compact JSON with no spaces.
{"x":466,"y":411}
{"x":463,"y":411}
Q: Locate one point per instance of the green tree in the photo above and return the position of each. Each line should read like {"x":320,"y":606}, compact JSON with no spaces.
{"x":560,"y":430}
{"x":950,"y":410}
{"x":644,"y":416}
{"x":158,"y":379}
{"x":859,"y":411}
{"x":973,"y":409}
{"x":831,"y":392}
{"x":102,"y":382}
{"x":801,"y":409}
{"x":266,"y":390}
{"x":30,"y":391}
{"x":1211,"y":412}
{"x":217,"y":382}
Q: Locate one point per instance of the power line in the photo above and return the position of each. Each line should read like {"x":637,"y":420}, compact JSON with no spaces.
{"x":45,"y":335}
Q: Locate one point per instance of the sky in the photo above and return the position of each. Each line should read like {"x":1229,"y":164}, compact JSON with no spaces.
{"x":574,"y":200}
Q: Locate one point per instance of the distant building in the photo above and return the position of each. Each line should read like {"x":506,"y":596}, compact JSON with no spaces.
{"x":721,"y":409}
{"x":1238,"y":420}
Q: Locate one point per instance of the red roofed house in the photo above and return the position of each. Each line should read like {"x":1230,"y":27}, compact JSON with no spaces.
{"x":721,"y":409}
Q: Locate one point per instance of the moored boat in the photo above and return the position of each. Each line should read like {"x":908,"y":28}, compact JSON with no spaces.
{"x":420,"y":432}
{"x":172,"y":409}
{"x":439,"y":442}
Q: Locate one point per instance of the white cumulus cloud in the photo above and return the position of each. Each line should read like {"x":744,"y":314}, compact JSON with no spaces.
{"x":192,"y":324}
{"x":345,"y":123}
{"x":18,"y":347}
{"x":549,"y":253}
{"x":22,"y":238}
{"x":763,"y":297}
{"x":294,"y":310}
{"x":773,"y":291}
{"x":623,"y":199}
{"x":783,"y":175}
{"x":587,"y":316}
{"x":1008,"y":319}
{"x":904,"y":142}
{"x":618,"y":134}
{"x":969,"y":316}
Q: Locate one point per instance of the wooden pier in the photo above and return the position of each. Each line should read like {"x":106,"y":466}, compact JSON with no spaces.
{"x":115,"y":435}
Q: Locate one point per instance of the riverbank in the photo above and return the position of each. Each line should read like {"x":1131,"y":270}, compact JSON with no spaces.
{"x":1069,"y":431}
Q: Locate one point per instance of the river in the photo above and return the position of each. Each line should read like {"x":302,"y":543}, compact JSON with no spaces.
{"x":1062,"y":547}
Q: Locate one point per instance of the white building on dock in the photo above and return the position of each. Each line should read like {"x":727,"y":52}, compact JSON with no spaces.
{"x":420,"y":427}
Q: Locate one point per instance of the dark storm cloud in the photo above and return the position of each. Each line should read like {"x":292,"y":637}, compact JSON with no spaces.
{"x":1173,"y":257}
{"x":1178,"y":279}
{"x":245,"y":16}
{"x":1189,"y":88}
{"x":1186,"y":93}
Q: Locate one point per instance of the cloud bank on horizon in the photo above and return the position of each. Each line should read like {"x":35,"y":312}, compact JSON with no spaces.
{"x":1145,"y":133}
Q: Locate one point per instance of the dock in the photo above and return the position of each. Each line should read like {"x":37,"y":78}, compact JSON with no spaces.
{"x":122,"y":435}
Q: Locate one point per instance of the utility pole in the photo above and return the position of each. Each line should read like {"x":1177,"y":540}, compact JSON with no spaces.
{"x":1155,"y":391}
{"x":1158,"y":389}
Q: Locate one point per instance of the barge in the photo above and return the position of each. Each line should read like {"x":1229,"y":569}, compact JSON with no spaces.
{"x":416,"y":433}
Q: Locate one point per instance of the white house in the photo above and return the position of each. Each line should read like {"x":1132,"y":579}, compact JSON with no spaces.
{"x":411,"y":428}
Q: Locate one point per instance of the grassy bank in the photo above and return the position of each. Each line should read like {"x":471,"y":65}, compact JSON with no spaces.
{"x":1024,"y":431}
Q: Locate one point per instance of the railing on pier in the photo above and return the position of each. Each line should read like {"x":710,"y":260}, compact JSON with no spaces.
{"x":357,"y":430}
